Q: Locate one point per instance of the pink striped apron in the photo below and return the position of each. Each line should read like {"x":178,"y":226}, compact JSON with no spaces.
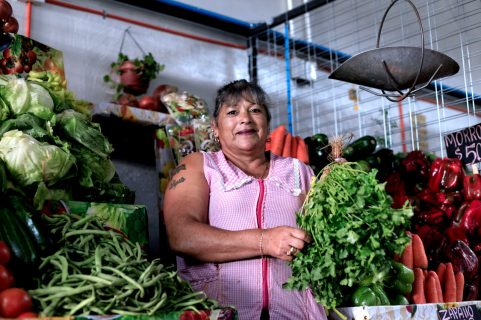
{"x":238,"y":202}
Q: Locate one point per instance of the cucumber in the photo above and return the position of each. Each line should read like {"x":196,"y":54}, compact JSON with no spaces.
{"x":23,"y":213}
{"x":360,"y":148}
{"x":17,"y":238}
{"x":3,"y":177}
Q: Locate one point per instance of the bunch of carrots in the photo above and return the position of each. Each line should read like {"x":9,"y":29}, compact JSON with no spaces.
{"x":441,"y":285}
{"x":282,"y":143}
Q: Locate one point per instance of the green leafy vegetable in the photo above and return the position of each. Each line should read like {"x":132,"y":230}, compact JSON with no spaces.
{"x":354,"y":231}
{"x":91,"y":166}
{"x":28,"y":123}
{"x":63,"y":99}
{"x":4,"y":110}
{"x":77,"y":127}
{"x":29,"y":160}
{"x":24,"y":96}
{"x":44,"y":193}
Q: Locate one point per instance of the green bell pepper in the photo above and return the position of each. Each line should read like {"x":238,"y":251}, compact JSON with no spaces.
{"x":372,"y":295}
{"x":402,"y":278}
{"x":398,"y":299}
{"x":381,"y":294}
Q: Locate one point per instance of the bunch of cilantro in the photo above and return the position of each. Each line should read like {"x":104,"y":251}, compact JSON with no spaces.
{"x":354,"y":230}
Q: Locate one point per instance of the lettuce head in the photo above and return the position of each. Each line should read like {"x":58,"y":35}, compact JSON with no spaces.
{"x":30,"y":161}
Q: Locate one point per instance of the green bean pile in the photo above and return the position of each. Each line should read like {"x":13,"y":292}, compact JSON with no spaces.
{"x":98,"y":272}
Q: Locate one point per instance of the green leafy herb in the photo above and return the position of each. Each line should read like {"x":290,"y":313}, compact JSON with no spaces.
{"x":354,"y":231}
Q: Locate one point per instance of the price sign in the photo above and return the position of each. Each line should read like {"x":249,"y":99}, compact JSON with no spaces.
{"x":467,"y":312}
{"x":465,"y":144}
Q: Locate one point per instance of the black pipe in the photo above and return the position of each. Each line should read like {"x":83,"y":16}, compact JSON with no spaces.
{"x":289,"y":15}
{"x":252,"y":45}
{"x":195,"y":14}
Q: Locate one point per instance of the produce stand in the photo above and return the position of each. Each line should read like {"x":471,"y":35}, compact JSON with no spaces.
{"x":428,"y":311}
{"x":219,"y":314}
{"x":128,"y":219}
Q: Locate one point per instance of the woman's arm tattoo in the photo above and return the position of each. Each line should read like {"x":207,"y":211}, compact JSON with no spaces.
{"x":174,"y":182}
{"x":177,"y":169}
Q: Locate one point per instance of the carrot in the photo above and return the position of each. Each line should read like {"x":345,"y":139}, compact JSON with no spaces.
{"x":439,"y":290}
{"x":407,"y":255}
{"x":431,"y":289}
{"x":277,"y":140}
{"x":459,"y":277}
{"x":302,"y":152}
{"x":420,"y":260}
{"x":294,"y":143}
{"x":441,"y":271}
{"x":417,"y":295}
{"x":449,"y":285}
{"x":286,"y":151}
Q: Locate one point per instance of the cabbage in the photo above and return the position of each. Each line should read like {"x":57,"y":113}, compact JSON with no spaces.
{"x":28,"y":123}
{"x":29,"y":160}
{"x":23,"y":97}
{"x":92,"y":168}
{"x":76,"y":126}
{"x":4,"y":110}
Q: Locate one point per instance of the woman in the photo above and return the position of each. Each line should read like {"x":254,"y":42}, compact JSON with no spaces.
{"x":230,"y":215}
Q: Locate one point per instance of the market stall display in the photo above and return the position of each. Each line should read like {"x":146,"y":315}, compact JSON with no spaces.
{"x":66,"y":216}
{"x":355,"y":231}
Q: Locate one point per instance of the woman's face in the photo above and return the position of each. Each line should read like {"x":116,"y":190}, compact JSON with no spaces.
{"x":242,"y":127}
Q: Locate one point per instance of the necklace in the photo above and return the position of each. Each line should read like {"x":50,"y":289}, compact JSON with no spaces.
{"x":266,"y":170}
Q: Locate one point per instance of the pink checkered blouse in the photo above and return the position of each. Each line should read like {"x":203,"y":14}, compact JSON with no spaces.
{"x":238,"y":202}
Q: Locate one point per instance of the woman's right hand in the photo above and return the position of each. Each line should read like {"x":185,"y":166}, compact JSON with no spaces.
{"x":279,"y":242}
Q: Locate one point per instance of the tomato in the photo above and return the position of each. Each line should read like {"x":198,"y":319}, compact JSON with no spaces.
{"x":7,"y":53}
{"x":11,"y":25}
{"x":148,"y":102}
{"x":32,"y":57}
{"x":5,"y":253}
{"x":6,"y":278}
{"x":18,"y":66}
{"x":5,"y":10}
{"x":28,"y":315}
{"x":13,"y":302}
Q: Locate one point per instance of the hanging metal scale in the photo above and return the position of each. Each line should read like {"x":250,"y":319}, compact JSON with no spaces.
{"x":397,"y":68}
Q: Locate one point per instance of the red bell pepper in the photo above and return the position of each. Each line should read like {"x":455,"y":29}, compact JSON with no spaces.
{"x":471,"y":219}
{"x":436,"y":175}
{"x":456,"y":233}
{"x":472,"y":187}
{"x":396,"y":189}
{"x":416,"y":162}
{"x":432,"y":217}
{"x":445,"y":174}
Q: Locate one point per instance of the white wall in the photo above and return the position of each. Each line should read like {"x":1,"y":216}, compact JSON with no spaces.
{"x":90,"y":43}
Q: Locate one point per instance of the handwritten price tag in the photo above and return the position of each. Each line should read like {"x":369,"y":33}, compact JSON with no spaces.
{"x":465,"y":144}
{"x":468,"y":312}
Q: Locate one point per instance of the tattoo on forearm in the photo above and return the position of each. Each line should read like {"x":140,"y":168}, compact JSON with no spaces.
{"x":177,"y":169}
{"x":174,"y":183}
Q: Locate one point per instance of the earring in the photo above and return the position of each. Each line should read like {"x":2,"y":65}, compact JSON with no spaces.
{"x":216,"y":139}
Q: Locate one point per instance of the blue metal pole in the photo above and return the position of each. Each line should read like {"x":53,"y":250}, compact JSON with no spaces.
{"x":288,"y":75}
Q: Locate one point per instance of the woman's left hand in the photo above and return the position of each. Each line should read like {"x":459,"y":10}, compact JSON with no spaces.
{"x":284,"y":242}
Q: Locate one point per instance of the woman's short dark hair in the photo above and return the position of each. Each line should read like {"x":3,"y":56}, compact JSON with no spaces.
{"x":233,"y":92}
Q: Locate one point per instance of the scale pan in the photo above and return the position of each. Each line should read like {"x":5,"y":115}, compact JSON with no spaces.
{"x":367,"y":68}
